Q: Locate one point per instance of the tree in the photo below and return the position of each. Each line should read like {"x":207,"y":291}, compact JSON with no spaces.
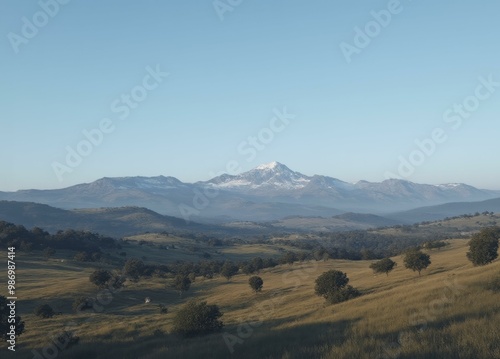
{"x":483,"y":247}
{"x":256,"y":283}
{"x":49,"y":252}
{"x":257,"y":264}
{"x":333,"y":286}
{"x":288,"y":258}
{"x":435,"y":244}
{"x":197,"y":318}
{"x":82,"y":257}
{"x":134,"y":268}
{"x":229,"y":269}
{"x":383,"y":266}
{"x":416,"y":260}
{"x":100,"y":277}
{"x":4,"y":320}
{"x":181,"y":283}
{"x":247,"y":268}
{"x":44,"y":311}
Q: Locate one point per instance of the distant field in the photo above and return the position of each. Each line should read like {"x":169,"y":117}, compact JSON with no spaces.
{"x":445,"y":313}
{"x":175,"y":248}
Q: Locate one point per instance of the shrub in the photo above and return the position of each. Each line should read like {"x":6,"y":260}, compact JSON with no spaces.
{"x":342,"y":295}
{"x":134,"y":268}
{"x":49,"y":252}
{"x":256,"y":283}
{"x":82,"y":257}
{"x":181,"y":283}
{"x":44,"y":311}
{"x":100,"y":277}
{"x":332,"y":286}
{"x":67,"y":337}
{"x":82,"y":303}
{"x":197,"y":318}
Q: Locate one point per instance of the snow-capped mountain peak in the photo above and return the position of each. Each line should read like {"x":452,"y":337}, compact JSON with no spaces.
{"x":268,"y":176}
{"x":269,"y":166}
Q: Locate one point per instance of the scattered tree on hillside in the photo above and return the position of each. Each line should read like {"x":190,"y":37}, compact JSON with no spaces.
{"x":416,"y":260}
{"x":181,"y":283}
{"x":247,"y":268}
{"x":383,"y":266}
{"x":288,"y":258}
{"x":49,"y":252}
{"x":435,"y":244}
{"x":483,"y":247}
{"x":333,"y":286}
{"x":229,"y":269}
{"x":100,"y":277}
{"x":4,"y":320}
{"x":256,"y":283}
{"x":197,"y":318}
{"x":44,"y":311}
{"x":134,"y":268}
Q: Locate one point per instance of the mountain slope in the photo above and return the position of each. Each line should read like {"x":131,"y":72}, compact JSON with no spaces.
{"x":433,"y":213}
{"x":265,"y":193}
{"x":116,"y":222}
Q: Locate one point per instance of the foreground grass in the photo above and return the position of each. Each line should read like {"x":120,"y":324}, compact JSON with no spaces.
{"x":445,"y":313}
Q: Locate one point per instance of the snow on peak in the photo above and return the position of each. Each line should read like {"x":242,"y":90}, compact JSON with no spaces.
{"x":268,"y":166}
{"x":449,"y":185}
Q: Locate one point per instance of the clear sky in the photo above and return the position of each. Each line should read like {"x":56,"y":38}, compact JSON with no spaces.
{"x":359,"y":97}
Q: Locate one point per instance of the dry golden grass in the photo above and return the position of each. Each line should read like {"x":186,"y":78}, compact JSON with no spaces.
{"x":445,"y":313}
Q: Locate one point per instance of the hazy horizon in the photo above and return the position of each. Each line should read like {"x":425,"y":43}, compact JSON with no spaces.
{"x":218,"y":174}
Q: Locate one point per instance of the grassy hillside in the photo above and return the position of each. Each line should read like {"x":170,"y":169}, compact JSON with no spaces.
{"x":445,"y":313}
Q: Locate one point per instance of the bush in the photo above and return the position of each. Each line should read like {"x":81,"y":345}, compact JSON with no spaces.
{"x":332,"y":286}
{"x":134,"y":268}
{"x":256,"y":283}
{"x":49,"y":252}
{"x":197,"y":318}
{"x":181,"y":284}
{"x":82,"y":303}
{"x":100,"y":278}
{"x":67,"y":337}
{"x":342,"y":295}
{"x":82,"y":257}
{"x":163,"y":309}
{"x":44,"y":311}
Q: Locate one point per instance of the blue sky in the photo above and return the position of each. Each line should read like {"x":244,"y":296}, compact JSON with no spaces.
{"x":227,"y":78}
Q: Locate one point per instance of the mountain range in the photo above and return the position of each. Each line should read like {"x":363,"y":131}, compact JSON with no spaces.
{"x":266,"y":193}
